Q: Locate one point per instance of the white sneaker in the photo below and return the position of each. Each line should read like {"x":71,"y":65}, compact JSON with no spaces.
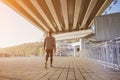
{"x":45,"y":65}
{"x":51,"y":65}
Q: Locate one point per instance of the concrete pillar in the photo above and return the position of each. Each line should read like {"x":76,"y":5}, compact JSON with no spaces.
{"x":74,"y":51}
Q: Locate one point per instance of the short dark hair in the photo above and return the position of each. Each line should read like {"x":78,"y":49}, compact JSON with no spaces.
{"x":50,"y":32}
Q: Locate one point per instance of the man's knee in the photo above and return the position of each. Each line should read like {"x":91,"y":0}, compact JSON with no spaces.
{"x":47,"y":55}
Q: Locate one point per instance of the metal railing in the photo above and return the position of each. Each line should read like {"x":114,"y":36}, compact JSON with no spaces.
{"x":106,"y":53}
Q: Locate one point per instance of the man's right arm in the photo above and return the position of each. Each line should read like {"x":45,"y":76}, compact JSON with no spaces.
{"x":44,"y":43}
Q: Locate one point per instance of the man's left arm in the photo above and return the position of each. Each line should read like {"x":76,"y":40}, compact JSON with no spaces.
{"x":55,"y":45}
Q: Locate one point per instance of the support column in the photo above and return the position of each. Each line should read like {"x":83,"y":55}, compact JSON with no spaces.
{"x":74,"y":51}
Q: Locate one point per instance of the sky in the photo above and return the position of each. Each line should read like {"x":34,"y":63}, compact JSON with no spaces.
{"x":113,"y":8}
{"x":15,"y":30}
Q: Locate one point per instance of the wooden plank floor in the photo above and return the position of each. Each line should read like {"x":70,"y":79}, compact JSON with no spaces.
{"x":65,"y":68}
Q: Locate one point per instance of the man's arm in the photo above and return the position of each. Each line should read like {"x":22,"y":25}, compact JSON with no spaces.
{"x":44,"y":43}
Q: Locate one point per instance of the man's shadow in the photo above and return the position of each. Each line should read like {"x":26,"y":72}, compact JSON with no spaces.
{"x":58,"y":67}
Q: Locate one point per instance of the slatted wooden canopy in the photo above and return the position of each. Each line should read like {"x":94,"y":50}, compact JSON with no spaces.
{"x":59,"y":16}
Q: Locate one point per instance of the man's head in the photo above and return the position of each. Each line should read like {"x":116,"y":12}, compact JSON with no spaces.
{"x":49,"y":33}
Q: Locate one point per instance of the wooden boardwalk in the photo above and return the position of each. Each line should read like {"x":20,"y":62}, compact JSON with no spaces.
{"x":65,"y":68}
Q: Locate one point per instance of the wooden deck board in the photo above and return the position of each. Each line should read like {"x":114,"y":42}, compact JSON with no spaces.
{"x":65,"y":68}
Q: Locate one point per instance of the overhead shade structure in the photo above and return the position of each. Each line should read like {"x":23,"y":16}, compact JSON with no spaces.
{"x":71,"y":35}
{"x":107,"y":27}
{"x":59,"y":16}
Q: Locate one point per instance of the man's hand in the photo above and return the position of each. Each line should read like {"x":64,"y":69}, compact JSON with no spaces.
{"x":54,"y":51}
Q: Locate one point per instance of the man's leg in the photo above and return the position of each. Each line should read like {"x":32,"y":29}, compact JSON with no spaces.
{"x":51,"y":57}
{"x":46,"y":58}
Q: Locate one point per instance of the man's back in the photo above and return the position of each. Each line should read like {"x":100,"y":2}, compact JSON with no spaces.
{"x":49,"y":42}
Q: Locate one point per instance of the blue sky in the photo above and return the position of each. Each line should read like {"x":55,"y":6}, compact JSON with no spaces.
{"x":114,"y":8}
{"x":15,"y":30}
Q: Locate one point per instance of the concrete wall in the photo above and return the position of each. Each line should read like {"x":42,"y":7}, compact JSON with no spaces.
{"x":107,"y":27}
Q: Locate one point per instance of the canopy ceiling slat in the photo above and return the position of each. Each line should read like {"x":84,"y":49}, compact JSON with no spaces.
{"x":32,"y":12}
{"x":65,"y":13}
{"x":53,"y":12}
{"x":71,"y":5}
{"x":76,"y":12}
{"x":83,"y":9}
{"x":97,"y":6}
{"x":101,"y":10}
{"x":59,"y":16}
{"x":88,"y":12}
{"x":36,"y":5}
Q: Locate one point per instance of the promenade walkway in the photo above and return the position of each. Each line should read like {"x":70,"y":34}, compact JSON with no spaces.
{"x":65,"y":68}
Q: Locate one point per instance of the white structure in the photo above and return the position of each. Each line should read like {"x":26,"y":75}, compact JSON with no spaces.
{"x":72,"y":35}
{"x":77,"y":47}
